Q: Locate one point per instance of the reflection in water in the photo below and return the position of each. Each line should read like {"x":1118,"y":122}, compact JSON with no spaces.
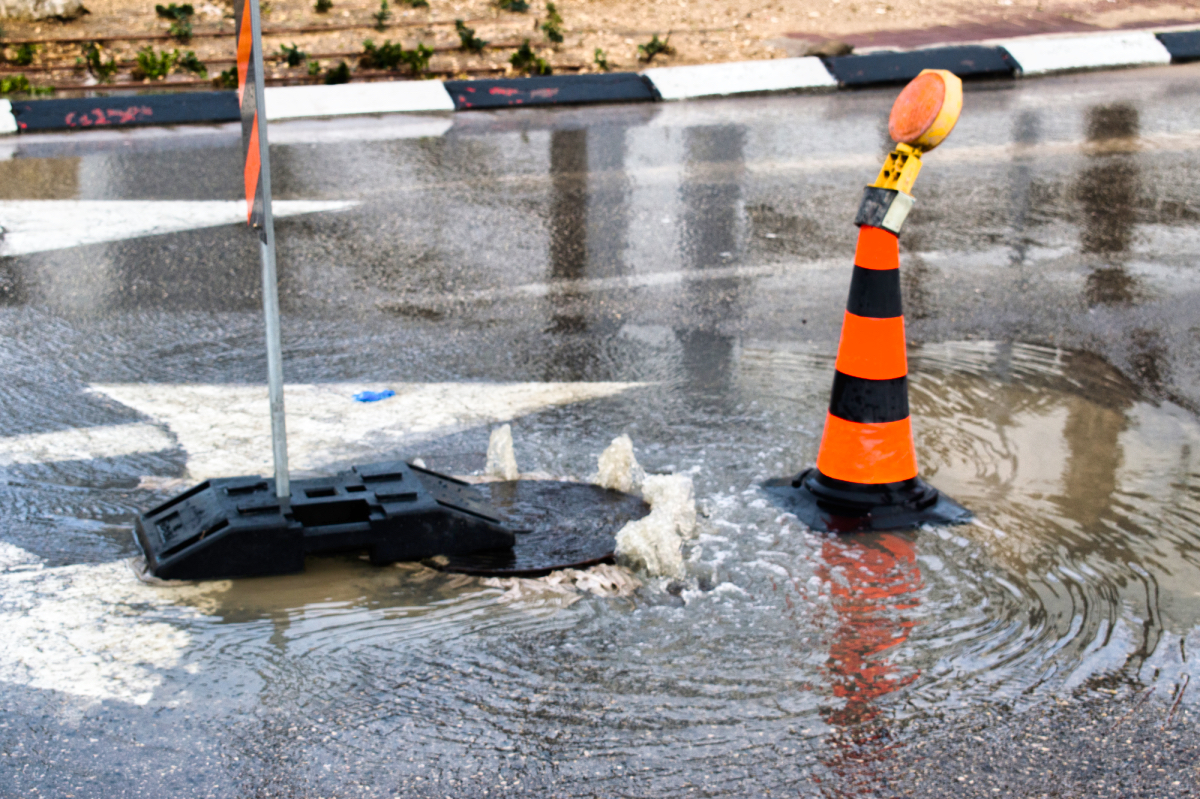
{"x":39,"y":178}
{"x":875,"y":587}
{"x":1108,"y":192}
{"x":712,"y":200}
{"x":1027,"y":131}
{"x":589,"y":209}
{"x":1092,"y":433}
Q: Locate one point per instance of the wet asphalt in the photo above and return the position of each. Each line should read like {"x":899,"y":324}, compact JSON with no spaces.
{"x":642,"y":243}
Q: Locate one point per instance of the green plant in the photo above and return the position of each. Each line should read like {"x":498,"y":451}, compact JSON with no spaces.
{"x":19,"y":84}
{"x":338,"y":74}
{"x":181,"y":20}
{"x":600,"y":59}
{"x":385,"y":56}
{"x":418,"y":59}
{"x":393,"y":56}
{"x":191,"y":63}
{"x":528,"y":61}
{"x":154,"y":66}
{"x":382,"y":15}
{"x":180,"y":31}
{"x":419,"y":3}
{"x":292,"y":55}
{"x":516,"y":6}
{"x":314,"y":68}
{"x":175,"y":12}
{"x":323,"y":6}
{"x":227,"y":79}
{"x":552,"y":27}
{"x":24,"y":55}
{"x":654,"y":47}
{"x":467,"y":37}
{"x":99,"y":69}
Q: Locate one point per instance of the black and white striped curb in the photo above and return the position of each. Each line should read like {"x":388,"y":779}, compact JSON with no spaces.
{"x":1026,"y":56}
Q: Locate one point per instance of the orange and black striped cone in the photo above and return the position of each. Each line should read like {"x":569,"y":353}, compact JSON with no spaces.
{"x":866,"y":472}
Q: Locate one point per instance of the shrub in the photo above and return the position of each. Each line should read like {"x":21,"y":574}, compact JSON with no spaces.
{"x":528,"y":61}
{"x":181,"y":19}
{"x":338,"y":74}
{"x":647,"y":51}
{"x":382,"y":15}
{"x":100,"y":69}
{"x":552,"y":27}
{"x":323,"y":6}
{"x":19,"y":84}
{"x":227,"y":79}
{"x":154,"y":66}
{"x":467,"y":37}
{"x":516,"y":6}
{"x":191,"y":63}
{"x":385,"y":56}
{"x":24,"y":55}
{"x":600,"y":59}
{"x":292,"y":55}
{"x":393,"y":56}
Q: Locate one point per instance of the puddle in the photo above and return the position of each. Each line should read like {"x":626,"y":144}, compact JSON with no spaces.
{"x":1080,"y":574}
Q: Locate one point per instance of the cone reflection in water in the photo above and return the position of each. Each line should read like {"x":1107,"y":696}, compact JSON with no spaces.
{"x":866,"y":472}
{"x":875,"y":587}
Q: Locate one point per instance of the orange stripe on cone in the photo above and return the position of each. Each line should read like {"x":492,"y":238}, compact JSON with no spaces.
{"x":867,"y":453}
{"x":877,"y":249}
{"x":872,"y":348}
{"x":253,"y":165}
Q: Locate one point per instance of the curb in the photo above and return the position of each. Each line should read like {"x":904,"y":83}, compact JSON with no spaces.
{"x":1017,"y":57}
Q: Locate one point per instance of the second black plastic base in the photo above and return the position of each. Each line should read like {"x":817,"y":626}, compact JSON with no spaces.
{"x":835,"y":506}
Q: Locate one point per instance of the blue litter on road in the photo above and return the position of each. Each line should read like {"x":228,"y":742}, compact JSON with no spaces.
{"x":374,"y":396}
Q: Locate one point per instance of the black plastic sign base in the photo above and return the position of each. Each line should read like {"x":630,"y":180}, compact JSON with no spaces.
{"x":834,"y":506}
{"x":562,"y":525}
{"x":237,"y":527}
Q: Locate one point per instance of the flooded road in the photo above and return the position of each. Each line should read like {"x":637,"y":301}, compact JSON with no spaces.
{"x":675,"y":272}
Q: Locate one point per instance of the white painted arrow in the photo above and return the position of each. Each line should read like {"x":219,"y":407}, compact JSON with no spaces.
{"x":40,"y":225}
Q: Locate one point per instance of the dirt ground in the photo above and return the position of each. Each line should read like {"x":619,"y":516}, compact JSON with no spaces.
{"x":699,"y":31}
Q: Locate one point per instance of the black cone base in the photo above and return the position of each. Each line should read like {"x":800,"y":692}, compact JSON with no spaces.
{"x":558,"y":525}
{"x":834,"y":506}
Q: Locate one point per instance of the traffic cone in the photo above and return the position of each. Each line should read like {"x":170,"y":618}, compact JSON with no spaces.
{"x":866,"y":472}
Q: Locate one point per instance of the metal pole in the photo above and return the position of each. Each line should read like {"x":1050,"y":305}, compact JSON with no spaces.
{"x":270,"y":283}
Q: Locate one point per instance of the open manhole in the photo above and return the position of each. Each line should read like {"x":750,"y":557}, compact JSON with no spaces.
{"x":560,"y":525}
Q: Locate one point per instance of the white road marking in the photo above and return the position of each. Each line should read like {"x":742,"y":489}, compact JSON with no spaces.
{"x":93,"y":630}
{"x":84,"y":443}
{"x":225,"y":430}
{"x":39,"y":225}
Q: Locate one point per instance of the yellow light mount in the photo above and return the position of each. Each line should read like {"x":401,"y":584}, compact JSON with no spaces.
{"x":922,"y":117}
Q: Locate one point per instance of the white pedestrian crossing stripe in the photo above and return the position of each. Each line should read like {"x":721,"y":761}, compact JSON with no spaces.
{"x":40,"y":225}
{"x":225,"y":431}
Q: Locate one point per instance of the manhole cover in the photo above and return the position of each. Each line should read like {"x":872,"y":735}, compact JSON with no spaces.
{"x":569,"y":525}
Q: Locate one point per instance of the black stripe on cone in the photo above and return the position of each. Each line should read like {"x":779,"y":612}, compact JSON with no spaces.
{"x":875,"y":293}
{"x":857,"y":399}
